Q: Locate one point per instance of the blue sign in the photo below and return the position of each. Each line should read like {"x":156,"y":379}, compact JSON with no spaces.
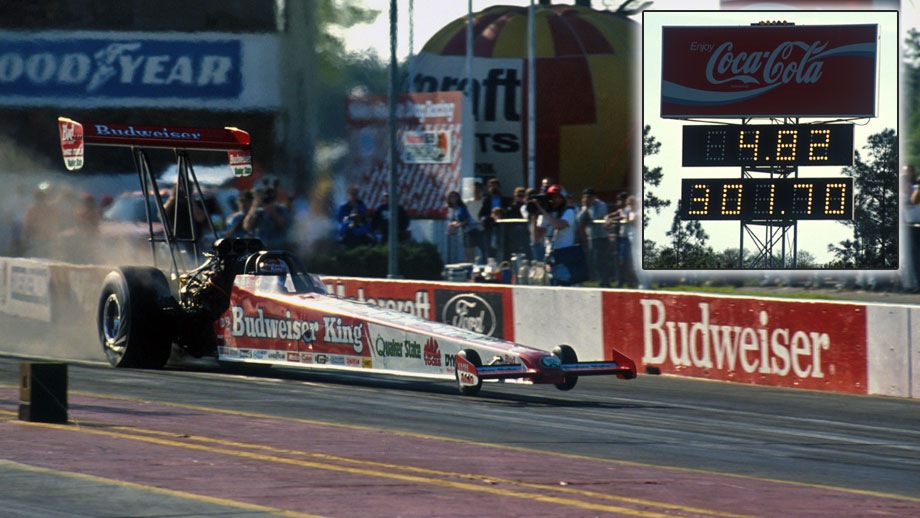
{"x":119,"y":67}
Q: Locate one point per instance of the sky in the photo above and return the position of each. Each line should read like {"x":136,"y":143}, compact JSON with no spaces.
{"x":814,"y":236}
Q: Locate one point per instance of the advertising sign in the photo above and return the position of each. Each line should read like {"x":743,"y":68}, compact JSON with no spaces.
{"x":810,"y":345}
{"x":433,"y":151}
{"x":484,"y":309}
{"x":139,"y":69}
{"x":28,"y":289}
{"x":772,"y":70}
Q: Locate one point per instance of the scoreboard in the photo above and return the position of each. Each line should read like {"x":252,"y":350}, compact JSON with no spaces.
{"x":767,"y":145}
{"x":763,"y":199}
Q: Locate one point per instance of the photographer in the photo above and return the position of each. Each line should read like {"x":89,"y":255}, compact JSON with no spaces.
{"x":268,"y":220}
{"x":556,"y":225}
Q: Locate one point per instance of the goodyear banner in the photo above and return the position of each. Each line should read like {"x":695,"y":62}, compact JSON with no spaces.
{"x":138,"y":69}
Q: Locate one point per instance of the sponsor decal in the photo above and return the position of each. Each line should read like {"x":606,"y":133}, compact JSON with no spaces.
{"x":293,"y":357}
{"x":129,"y":131}
{"x":478,"y":312}
{"x":432,"y":353}
{"x":367,"y":363}
{"x":230,"y":352}
{"x":306,"y":357}
{"x":397,"y":348}
{"x":274,"y":354}
{"x":337,"y":332}
{"x":336,"y":360}
{"x":260,"y":326}
{"x":353,"y":361}
{"x":321,"y":359}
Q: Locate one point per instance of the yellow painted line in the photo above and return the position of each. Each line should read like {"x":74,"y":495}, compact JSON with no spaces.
{"x":156,"y":490}
{"x":415,"y":479}
{"x":256,"y":415}
{"x":428,"y":471}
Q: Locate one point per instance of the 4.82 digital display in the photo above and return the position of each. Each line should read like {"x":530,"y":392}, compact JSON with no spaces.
{"x":764,"y":199}
{"x":767,"y":145}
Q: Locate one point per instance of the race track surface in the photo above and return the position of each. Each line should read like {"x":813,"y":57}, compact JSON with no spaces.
{"x":203,"y":442}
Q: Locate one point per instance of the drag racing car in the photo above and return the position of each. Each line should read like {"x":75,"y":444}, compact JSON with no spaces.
{"x":243,"y":304}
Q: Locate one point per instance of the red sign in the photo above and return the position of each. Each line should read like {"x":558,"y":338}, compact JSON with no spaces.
{"x":767,"y":71}
{"x":430,"y":131}
{"x":811,"y":345}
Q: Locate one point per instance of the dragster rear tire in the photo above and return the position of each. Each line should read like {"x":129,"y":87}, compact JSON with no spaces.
{"x":134,"y":330}
{"x":473,"y":357}
{"x":566,"y":354}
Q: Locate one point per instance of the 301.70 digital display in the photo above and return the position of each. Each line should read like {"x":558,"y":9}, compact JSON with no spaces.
{"x":767,"y":145}
{"x":764,"y":199}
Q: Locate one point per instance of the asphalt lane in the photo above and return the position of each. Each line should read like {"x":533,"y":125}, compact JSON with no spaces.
{"x":200,"y":441}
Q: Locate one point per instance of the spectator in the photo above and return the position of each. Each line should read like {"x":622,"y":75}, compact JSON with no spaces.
{"x":185,"y":224}
{"x":475,"y":234}
{"x":39,"y":223}
{"x":235,"y":221}
{"x":556,"y":225}
{"x":459,"y":227}
{"x":494,"y":199}
{"x":268,"y":220}
{"x":910,"y":210}
{"x":355,"y":231}
{"x":598,"y":244}
{"x":352,"y":204}
{"x":11,"y":221}
{"x":531,"y":213}
{"x":79,"y":239}
{"x":380,"y":222}
{"x":624,"y":221}
{"x":518,"y":201}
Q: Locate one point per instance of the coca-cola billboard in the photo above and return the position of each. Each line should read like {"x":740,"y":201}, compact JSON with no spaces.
{"x":767,"y":71}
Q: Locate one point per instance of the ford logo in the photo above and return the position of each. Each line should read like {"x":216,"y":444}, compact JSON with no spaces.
{"x":471,"y":312}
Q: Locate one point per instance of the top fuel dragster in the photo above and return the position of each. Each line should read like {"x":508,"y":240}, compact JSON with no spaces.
{"x":243,"y":304}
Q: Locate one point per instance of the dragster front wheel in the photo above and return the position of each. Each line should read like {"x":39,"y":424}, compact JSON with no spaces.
{"x":473,"y":357}
{"x":566,"y":355}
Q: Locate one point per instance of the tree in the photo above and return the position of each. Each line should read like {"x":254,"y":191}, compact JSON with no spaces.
{"x":688,"y":249}
{"x":341,"y":72}
{"x":651,"y":178}
{"x":875,"y":215}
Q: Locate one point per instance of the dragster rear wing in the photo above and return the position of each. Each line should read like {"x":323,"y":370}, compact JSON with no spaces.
{"x":74,"y":136}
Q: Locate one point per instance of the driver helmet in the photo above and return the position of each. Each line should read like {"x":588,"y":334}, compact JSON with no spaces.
{"x":274,"y":274}
{"x":273,"y":266}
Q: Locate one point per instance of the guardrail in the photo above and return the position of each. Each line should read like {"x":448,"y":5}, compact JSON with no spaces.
{"x":847,"y":347}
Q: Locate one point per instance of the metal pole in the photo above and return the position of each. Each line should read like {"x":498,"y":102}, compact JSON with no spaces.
{"x":531,"y":97}
{"x":392,"y":229}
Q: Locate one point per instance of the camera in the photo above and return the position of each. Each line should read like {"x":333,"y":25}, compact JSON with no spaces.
{"x":537,"y":199}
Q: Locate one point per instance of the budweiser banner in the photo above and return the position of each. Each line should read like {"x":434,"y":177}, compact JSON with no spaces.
{"x":767,"y":71}
{"x":813,"y":345}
